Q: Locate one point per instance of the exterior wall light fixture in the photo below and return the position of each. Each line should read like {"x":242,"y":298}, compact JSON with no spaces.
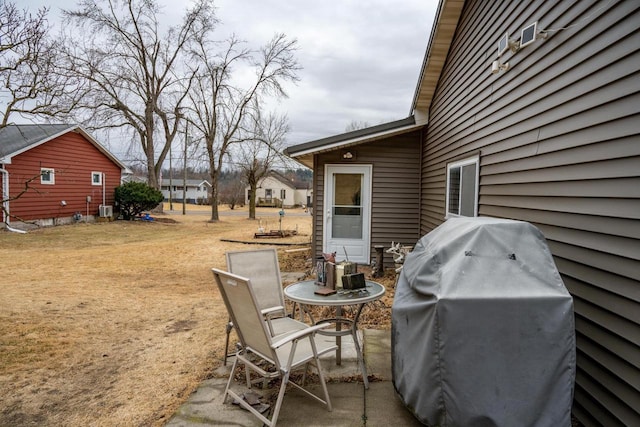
{"x":348,"y":155}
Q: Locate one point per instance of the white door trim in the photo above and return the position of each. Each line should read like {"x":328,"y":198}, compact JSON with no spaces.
{"x":359,"y":249}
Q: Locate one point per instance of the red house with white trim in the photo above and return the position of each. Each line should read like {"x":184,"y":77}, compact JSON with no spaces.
{"x":55,"y":174}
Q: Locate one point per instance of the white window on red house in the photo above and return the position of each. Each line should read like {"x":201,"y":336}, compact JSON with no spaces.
{"x":96,"y":178}
{"x":47,"y":176}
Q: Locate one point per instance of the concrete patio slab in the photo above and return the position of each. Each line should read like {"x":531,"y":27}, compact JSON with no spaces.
{"x":352,"y":404}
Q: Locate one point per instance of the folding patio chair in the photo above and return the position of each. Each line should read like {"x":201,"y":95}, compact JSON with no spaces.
{"x":283,"y":353}
{"x":261,"y":266}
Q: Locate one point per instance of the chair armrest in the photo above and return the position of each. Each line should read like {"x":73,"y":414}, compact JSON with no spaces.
{"x":270,"y":310}
{"x":299,"y":334}
{"x":268,"y":313}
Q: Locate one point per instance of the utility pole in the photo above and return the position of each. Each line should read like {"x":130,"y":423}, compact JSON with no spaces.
{"x":184,"y":168}
{"x":170,"y":181}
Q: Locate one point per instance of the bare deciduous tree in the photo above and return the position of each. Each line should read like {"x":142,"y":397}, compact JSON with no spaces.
{"x":356,"y":125}
{"x":232,"y":190}
{"x":132,"y":69}
{"x":29,"y":82}
{"x":219,"y":108}
{"x":263,"y":147}
{"x":6,"y":214}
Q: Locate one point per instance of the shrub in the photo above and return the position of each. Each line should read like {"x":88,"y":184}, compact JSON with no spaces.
{"x":135,"y":197}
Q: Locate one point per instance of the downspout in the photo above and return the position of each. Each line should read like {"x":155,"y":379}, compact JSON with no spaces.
{"x":5,"y":203}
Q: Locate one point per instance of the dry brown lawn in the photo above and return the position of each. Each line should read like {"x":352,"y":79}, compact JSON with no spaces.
{"x":117,"y":323}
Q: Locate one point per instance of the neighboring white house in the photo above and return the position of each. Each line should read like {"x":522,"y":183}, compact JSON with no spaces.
{"x":198,"y":191}
{"x":277,"y":191}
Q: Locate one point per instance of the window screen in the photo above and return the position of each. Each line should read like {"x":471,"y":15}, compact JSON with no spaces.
{"x":462,"y":188}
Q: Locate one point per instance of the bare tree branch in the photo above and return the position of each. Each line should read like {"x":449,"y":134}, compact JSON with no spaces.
{"x":261,"y":150}
{"x":7,"y":215}
{"x":133,"y":69}
{"x":29,"y":83}
{"x":218,"y":108}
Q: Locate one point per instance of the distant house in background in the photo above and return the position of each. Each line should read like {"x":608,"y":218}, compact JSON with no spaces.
{"x":67,"y":174}
{"x":539,"y":123}
{"x":275,"y":190}
{"x":198,"y":191}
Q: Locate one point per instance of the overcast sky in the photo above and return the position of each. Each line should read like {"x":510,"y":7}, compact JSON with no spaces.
{"x":360,"y":58}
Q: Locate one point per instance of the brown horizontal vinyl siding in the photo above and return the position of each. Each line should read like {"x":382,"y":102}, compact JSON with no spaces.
{"x":558,"y":136}
{"x":73,"y":159}
{"x":395,"y":189}
{"x":318,"y":205}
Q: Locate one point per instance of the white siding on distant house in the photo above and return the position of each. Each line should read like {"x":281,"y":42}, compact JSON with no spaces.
{"x":196,"y":191}
{"x":276,"y":186}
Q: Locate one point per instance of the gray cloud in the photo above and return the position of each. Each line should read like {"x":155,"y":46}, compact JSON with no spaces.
{"x":360,"y":59}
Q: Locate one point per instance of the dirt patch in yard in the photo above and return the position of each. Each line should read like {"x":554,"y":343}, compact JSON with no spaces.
{"x":117,"y":323}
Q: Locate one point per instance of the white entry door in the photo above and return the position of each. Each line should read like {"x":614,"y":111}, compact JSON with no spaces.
{"x":347,"y":212}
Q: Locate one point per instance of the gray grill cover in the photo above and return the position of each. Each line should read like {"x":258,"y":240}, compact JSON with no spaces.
{"x":480,"y":338}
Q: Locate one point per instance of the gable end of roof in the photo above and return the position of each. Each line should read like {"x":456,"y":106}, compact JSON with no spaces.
{"x":16,"y":139}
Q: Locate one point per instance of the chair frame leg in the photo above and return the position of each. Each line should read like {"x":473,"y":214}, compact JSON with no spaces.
{"x":227,"y":389}
{"x":226,"y":343}
{"x":284,"y":375}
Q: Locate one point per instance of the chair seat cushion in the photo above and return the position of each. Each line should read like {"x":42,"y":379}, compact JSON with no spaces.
{"x":304,"y":352}
{"x":285,"y":325}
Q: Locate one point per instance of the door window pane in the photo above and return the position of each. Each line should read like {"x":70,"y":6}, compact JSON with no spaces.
{"x":347,"y":206}
{"x":347,"y":189}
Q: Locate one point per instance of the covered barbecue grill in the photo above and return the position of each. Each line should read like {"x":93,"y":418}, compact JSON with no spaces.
{"x":483,"y":328}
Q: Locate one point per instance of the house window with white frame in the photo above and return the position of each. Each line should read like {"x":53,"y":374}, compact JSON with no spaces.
{"x":96,"y":178}
{"x":462,"y":188}
{"x":283,"y":194}
{"x":47,"y":176}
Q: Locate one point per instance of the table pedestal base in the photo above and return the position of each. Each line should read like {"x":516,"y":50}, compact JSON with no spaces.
{"x":352,"y":329}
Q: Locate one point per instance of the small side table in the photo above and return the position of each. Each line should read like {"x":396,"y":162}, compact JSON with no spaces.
{"x":303,"y":293}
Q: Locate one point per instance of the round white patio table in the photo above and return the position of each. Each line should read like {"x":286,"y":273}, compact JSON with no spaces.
{"x":303,"y":293}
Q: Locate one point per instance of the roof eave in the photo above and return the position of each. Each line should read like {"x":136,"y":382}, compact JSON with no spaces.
{"x":71,"y":128}
{"x":305,"y":160}
{"x":303,"y":153}
{"x":442,"y":32}
{"x":101,"y":148}
{"x":7,"y":158}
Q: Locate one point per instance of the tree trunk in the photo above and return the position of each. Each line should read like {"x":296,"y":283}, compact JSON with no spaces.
{"x":214,"y":194}
{"x":252,"y":201}
{"x":150,"y":148}
{"x":214,"y":207}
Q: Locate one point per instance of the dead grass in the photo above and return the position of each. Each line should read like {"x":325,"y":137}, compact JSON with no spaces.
{"x":114,"y":323}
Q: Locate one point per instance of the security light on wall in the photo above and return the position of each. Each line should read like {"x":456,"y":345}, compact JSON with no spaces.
{"x":348,"y":155}
{"x":503,"y":44}
{"x":529,"y":34}
{"x":497,"y":66}
{"x":506,"y":43}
